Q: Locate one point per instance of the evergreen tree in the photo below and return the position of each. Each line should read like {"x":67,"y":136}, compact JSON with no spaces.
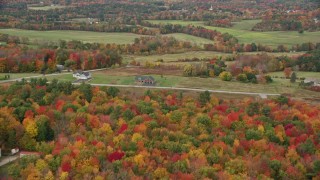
{"x":293,"y":77}
{"x":204,"y":97}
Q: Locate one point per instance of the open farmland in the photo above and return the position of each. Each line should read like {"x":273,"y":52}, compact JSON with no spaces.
{"x":45,"y":8}
{"x":125,"y":76}
{"x":242,"y":32}
{"x":245,"y":24}
{"x":85,"y":36}
{"x":167,"y":58}
{"x":190,"y":38}
{"x":300,"y":74}
{"x":95,"y":37}
{"x":174,"y":57}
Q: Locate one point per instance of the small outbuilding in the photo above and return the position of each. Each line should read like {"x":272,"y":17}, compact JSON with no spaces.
{"x":145,"y":80}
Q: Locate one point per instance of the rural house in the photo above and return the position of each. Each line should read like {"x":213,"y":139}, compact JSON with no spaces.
{"x":27,"y":153}
{"x":80,"y":75}
{"x":145,"y":80}
{"x":312,"y":82}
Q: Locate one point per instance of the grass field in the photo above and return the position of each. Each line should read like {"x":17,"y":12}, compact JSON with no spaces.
{"x":19,"y":75}
{"x":46,"y":8}
{"x":191,"y":54}
{"x":244,"y":35}
{"x":190,"y":38}
{"x":83,"y":19}
{"x":85,"y":36}
{"x":245,"y":24}
{"x":173,"y":57}
{"x":300,"y":74}
{"x":278,"y":86}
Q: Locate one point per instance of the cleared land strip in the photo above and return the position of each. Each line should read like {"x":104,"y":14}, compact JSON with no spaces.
{"x":39,"y":76}
{"x":262,"y":95}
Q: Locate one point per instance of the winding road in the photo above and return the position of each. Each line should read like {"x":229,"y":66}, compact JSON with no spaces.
{"x":8,"y":159}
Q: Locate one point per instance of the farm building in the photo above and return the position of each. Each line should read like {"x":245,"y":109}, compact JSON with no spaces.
{"x":312,"y":82}
{"x":27,"y":153}
{"x":81,"y":75}
{"x":145,"y":80}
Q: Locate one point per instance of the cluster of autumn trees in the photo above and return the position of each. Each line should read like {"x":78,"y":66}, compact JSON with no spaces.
{"x":224,"y":41}
{"x":91,"y":132}
{"x":204,"y":67}
{"x":16,"y":59}
{"x":217,"y":68}
{"x":309,"y":61}
{"x":291,"y":20}
{"x":158,"y":45}
{"x":219,"y":23}
{"x":268,"y":63}
{"x":251,"y":68}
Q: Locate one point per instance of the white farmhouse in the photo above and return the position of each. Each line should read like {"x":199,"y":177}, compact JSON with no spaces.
{"x":80,"y":75}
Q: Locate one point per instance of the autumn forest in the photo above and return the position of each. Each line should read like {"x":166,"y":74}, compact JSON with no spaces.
{"x":160,"y":89}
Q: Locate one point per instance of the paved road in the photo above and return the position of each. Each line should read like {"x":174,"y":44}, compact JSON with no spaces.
{"x":47,"y":75}
{"x":8,"y":159}
{"x":262,"y":95}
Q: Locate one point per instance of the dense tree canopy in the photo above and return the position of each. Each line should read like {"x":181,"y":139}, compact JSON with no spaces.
{"x":96,"y":133}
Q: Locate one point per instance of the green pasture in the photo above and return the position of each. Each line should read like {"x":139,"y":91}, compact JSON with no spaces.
{"x":278,"y":86}
{"x":190,"y":38}
{"x":240,"y":31}
{"x":245,"y":24}
{"x":46,"y":8}
{"x":18,"y":75}
{"x":85,"y":36}
{"x":191,"y":54}
{"x":300,"y":74}
{"x":174,"y":57}
{"x":82,"y":19}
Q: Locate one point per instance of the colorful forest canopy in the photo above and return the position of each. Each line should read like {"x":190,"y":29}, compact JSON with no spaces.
{"x":91,"y":132}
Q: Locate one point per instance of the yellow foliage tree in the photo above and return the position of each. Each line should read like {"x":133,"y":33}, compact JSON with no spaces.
{"x":32,"y":129}
{"x":64,"y":176}
{"x":49,"y":176}
{"x":106,"y":128}
{"x":138,"y":159}
{"x":136,"y":137}
{"x":160,"y":173}
{"x":41,"y":165}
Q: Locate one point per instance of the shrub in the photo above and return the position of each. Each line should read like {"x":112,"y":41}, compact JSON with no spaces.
{"x":225,"y":76}
{"x":282,"y":99}
{"x":268,"y":79}
{"x":242,"y":77}
{"x":113,"y":91}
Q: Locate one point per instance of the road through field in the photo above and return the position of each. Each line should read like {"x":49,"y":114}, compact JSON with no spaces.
{"x":262,"y":95}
